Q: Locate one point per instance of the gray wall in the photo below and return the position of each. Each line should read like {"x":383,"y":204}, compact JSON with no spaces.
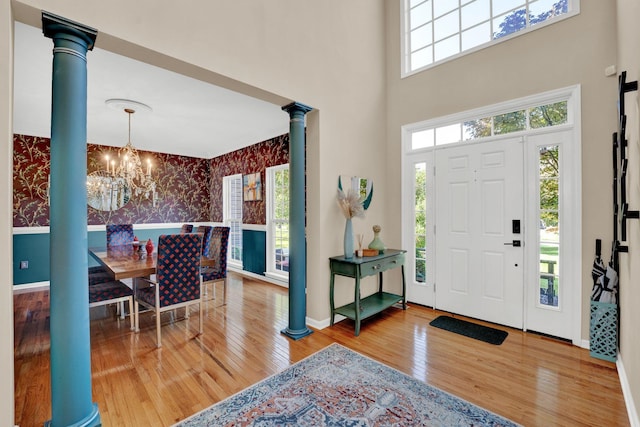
{"x":629,"y":61}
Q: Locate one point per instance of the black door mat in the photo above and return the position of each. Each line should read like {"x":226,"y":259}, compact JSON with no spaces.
{"x":469,"y":329}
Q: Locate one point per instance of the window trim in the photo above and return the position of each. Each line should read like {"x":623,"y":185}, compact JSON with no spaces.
{"x":225,"y":216}
{"x":571,"y":153}
{"x":405,"y":36}
{"x":270,"y":255}
{"x":569,"y":94}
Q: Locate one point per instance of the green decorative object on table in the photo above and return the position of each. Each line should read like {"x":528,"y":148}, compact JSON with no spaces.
{"x":376,"y":243}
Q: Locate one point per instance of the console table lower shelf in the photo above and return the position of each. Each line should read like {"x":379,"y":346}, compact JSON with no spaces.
{"x":357,"y":268}
{"x":370,"y":305}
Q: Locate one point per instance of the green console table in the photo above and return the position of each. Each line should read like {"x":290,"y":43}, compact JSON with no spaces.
{"x":358,"y":268}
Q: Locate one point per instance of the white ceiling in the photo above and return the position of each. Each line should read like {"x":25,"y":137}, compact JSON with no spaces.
{"x":189,"y":117}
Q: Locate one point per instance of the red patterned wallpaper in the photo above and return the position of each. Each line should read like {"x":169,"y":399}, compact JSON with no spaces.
{"x":30,"y":181}
{"x":182,"y":186}
{"x":253,"y":159}
{"x":189,"y":189}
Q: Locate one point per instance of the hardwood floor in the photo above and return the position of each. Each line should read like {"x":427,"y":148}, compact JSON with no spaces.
{"x":530,"y":379}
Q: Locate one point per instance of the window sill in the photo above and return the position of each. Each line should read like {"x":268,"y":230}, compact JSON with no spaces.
{"x":279,"y":277}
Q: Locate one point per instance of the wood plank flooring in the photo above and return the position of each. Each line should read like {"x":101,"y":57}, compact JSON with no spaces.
{"x":530,"y":379}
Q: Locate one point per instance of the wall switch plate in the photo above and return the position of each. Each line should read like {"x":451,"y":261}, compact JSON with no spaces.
{"x":24,"y":265}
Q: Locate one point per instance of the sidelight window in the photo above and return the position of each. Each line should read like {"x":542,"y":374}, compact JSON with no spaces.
{"x":549,"y":216}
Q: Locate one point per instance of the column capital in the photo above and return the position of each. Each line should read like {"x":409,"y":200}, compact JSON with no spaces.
{"x":297,"y":107}
{"x":53,"y":24}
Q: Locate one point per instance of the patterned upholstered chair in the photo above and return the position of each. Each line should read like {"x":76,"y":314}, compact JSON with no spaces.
{"x":119,"y":234}
{"x":217,"y":251}
{"x":113,"y":291}
{"x":98,"y":274}
{"x":186,"y":228}
{"x":177,"y":278}
{"x":206,"y":231}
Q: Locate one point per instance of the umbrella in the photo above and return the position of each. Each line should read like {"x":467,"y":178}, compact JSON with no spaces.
{"x":598,"y":273}
{"x":605,"y":279}
{"x":610,"y":285}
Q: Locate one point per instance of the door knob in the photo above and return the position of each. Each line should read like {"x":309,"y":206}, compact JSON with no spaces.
{"x":515,"y":243}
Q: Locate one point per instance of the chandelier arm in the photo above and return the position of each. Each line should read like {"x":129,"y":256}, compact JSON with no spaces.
{"x":128,"y":175}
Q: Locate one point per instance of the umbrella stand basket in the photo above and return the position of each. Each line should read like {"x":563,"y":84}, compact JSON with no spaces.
{"x":603,"y":331}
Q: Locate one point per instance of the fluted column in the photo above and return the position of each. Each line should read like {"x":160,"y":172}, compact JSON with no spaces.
{"x":71,"y":402}
{"x":297,"y":240}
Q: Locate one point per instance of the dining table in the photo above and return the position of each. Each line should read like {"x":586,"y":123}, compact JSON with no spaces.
{"x":131,"y":261}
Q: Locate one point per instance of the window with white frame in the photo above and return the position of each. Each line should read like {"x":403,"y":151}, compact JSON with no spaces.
{"x":476,"y":128}
{"x":278,"y":220}
{"x":436,"y":30}
{"x":549,"y":218}
{"x":519,"y":120}
{"x":232,"y":217}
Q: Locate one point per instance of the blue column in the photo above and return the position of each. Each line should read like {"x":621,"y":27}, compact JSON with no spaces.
{"x":297,"y":240}
{"x":71,"y":403}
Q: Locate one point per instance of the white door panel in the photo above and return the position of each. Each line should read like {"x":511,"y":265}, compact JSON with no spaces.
{"x":479,"y":191}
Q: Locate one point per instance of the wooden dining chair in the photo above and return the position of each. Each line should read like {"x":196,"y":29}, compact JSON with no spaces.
{"x":186,"y":228}
{"x":218,"y":251}
{"x":177,"y":281}
{"x":119,"y":234}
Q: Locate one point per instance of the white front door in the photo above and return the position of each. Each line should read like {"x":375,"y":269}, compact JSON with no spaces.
{"x":479,"y":265}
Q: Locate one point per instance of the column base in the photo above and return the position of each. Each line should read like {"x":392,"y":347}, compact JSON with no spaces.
{"x":92,"y":420}
{"x":297,"y":334}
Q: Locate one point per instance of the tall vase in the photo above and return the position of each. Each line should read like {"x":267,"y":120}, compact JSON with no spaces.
{"x":348,"y":239}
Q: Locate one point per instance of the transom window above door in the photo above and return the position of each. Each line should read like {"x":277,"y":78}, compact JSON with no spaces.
{"x":437,"y":30}
{"x":525,"y":119}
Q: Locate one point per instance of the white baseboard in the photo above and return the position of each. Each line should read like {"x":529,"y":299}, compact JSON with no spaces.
{"x":324,"y":323}
{"x":30,"y":287}
{"x":634,"y":420}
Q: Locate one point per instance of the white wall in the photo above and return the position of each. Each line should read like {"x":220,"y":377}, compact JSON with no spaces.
{"x":573,"y":51}
{"x":6,"y":217}
{"x":629,"y":61}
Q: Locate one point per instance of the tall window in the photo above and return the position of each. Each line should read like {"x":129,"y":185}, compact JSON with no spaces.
{"x":232,"y":211}
{"x":435,"y":30}
{"x":549,"y":243}
{"x":278,"y":220}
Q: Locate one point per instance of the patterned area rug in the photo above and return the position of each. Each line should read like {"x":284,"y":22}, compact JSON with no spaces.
{"x":339,"y":387}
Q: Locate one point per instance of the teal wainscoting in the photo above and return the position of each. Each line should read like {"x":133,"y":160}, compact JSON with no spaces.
{"x":254,"y":251}
{"x":34,"y":248}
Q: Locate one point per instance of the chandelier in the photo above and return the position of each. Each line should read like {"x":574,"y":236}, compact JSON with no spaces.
{"x":124,"y":178}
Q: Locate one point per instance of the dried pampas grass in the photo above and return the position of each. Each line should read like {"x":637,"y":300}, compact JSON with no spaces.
{"x":350,"y":203}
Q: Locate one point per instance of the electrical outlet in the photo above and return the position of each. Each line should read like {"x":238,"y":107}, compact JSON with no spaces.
{"x":24,"y":265}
